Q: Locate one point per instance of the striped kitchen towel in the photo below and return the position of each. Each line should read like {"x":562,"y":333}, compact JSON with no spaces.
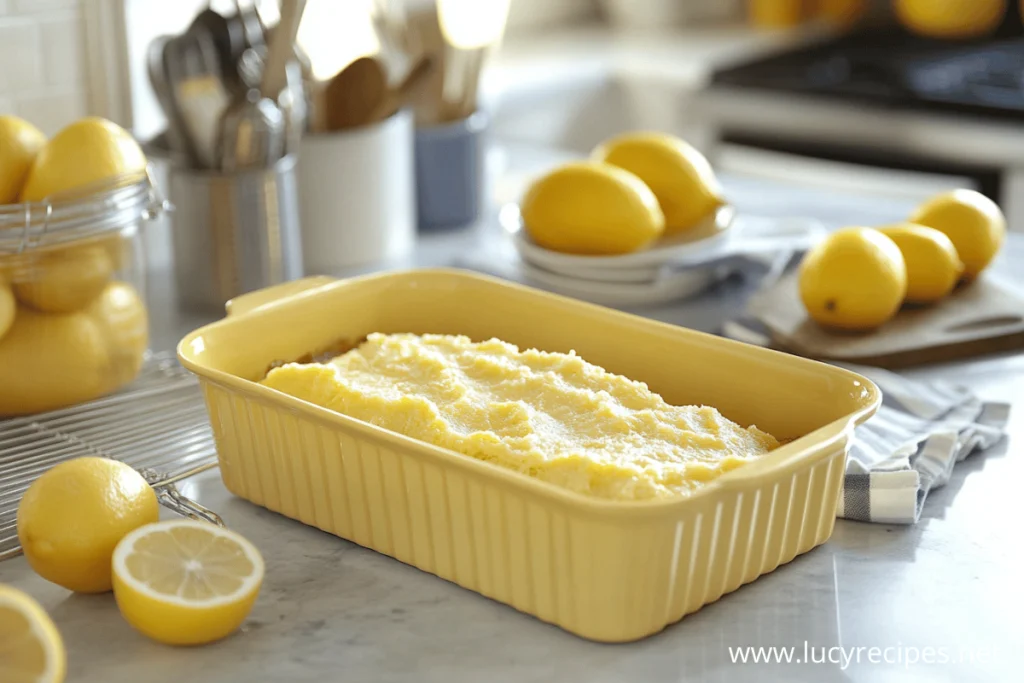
{"x":921,"y":431}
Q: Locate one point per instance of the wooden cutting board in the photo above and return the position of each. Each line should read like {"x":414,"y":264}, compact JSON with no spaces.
{"x":986,"y":316}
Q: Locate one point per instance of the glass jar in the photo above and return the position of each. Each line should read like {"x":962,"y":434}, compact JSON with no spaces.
{"x":73,"y":319}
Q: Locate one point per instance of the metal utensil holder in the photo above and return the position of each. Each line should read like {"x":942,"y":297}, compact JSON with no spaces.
{"x":234,"y":233}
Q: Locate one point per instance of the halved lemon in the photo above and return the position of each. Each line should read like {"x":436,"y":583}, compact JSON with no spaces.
{"x":31,"y":650}
{"x":182,"y":582}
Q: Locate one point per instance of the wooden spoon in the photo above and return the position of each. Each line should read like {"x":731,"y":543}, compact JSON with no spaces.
{"x":400,"y":95}
{"x":355,"y":94}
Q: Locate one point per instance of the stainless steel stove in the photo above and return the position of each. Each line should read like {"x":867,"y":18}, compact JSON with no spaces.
{"x":886,"y":100}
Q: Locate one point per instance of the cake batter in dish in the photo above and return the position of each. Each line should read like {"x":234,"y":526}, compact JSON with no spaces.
{"x":552,"y":416}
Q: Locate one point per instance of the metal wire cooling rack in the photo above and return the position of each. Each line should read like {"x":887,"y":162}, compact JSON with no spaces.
{"x":158,"y":425}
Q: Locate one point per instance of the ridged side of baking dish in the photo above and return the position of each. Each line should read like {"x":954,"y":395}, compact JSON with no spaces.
{"x":603,"y":570}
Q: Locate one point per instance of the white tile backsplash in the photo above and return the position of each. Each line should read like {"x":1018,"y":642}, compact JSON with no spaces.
{"x":42,"y":73}
{"x":51,"y":111}
{"x":41,"y":6}
{"x":63,"y":53}
{"x":20,"y":54}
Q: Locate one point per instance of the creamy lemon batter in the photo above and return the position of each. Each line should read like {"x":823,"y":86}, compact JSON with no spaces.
{"x":548,"y":415}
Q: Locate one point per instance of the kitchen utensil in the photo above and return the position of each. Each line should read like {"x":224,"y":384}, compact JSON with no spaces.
{"x":294,"y":107}
{"x":605,"y":570}
{"x":199,"y":90}
{"x":227,"y":35}
{"x":423,"y":35}
{"x":398,"y":96}
{"x":450,"y":172}
{"x":470,"y":29}
{"x":252,"y":136}
{"x":389,"y":23}
{"x":156,"y":67}
{"x":355,"y":94}
{"x":462,"y":81}
{"x":358,"y":196}
{"x":252,"y":25}
{"x":986,"y":316}
{"x":281,"y":49}
{"x":235,"y":232}
{"x":156,"y":425}
{"x":366,"y":102}
{"x":255,"y":131}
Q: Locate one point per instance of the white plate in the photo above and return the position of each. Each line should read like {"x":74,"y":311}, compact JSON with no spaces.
{"x":674,"y":287}
{"x":726,"y":236}
{"x":689,"y":246}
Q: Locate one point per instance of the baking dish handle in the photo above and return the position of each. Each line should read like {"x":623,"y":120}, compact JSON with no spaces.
{"x":245,"y":303}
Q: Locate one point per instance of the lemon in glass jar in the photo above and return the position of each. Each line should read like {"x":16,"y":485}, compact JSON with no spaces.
{"x":20,"y":142}
{"x":50,"y":361}
{"x":84,"y":153}
{"x":122,"y":319}
{"x":64,"y":280}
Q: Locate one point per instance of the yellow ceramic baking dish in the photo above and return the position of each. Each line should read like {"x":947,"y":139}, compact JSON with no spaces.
{"x":605,"y":570}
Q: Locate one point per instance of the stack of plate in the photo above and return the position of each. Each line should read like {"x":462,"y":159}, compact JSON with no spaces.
{"x":675,"y":267}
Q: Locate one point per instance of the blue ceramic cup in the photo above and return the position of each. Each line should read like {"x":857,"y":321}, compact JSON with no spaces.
{"x":450,"y":172}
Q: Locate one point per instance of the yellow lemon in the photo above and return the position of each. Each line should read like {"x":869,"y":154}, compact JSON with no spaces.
{"x":951,"y":18}
{"x":933,"y":266}
{"x":972,"y":221}
{"x":20,"y":142}
{"x":7,"y":308}
{"x":64,"y":280}
{"x":591,"y":208}
{"x":50,"y":361}
{"x":855,"y":279}
{"x":124,"y":323}
{"x":841,"y":12}
{"x":120,"y":248}
{"x":183,"y":582}
{"x":84,"y":153}
{"x":679,"y":175}
{"x":74,"y":515}
{"x":31,"y":649}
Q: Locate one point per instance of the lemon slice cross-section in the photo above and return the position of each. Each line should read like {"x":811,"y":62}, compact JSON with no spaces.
{"x":182,"y":582}
{"x":31,"y":650}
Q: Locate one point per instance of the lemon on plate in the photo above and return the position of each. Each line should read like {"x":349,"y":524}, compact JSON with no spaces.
{"x":678,"y":174}
{"x":183,"y":582}
{"x":972,"y":221}
{"x":591,"y":208}
{"x":73,"y":516}
{"x":856,"y":279}
{"x":31,"y":649}
{"x":7,"y":308}
{"x":64,"y":280}
{"x":933,"y":265}
{"x":85,"y":152}
{"x":20,"y":142}
{"x":951,"y":18}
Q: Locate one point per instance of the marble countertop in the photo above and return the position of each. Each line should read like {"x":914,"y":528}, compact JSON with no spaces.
{"x":331,"y":610}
